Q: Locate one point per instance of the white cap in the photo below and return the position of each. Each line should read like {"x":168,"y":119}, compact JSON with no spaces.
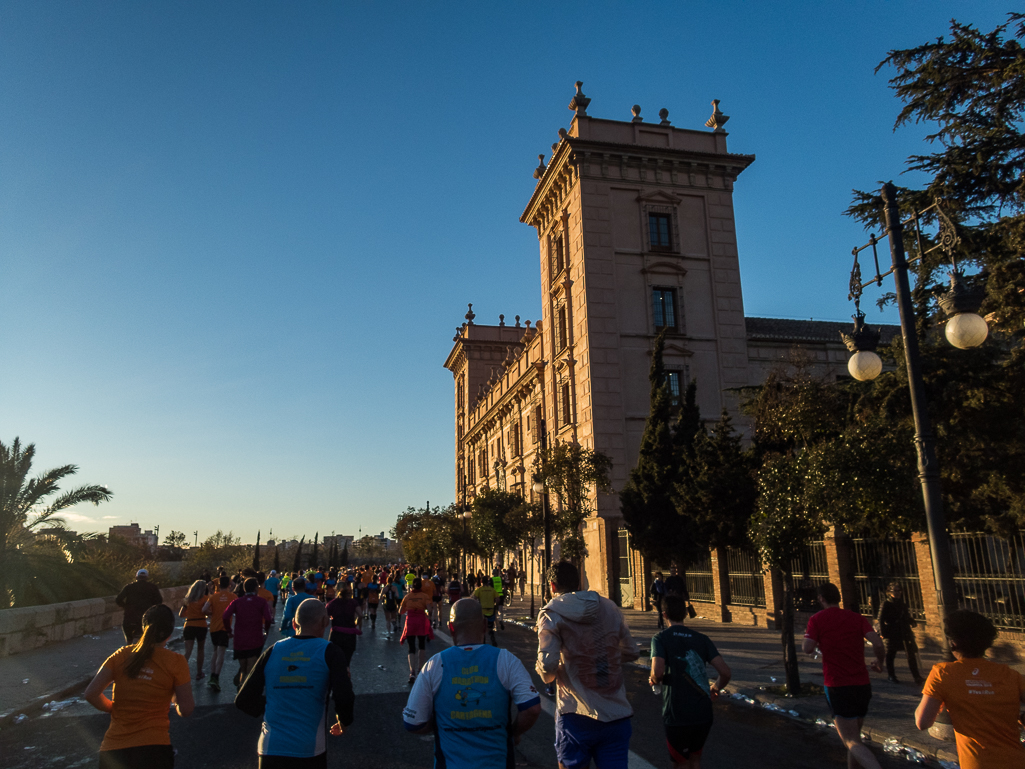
{"x":142,"y":573}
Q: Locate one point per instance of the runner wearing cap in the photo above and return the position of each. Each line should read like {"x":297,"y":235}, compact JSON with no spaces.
{"x":135,"y":598}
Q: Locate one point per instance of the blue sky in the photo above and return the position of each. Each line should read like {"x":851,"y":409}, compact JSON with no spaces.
{"x":236,"y":238}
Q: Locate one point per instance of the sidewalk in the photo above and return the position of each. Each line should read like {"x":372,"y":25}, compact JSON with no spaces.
{"x":756,"y":658}
{"x":56,"y":671}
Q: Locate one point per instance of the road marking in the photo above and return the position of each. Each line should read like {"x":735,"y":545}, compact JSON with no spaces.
{"x":633,"y":760}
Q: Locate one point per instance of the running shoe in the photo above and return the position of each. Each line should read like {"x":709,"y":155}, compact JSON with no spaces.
{"x":412,"y":678}
{"x":214,"y":683}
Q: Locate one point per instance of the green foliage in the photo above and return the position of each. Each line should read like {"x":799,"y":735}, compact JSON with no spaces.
{"x":40,"y":559}
{"x":500,"y":519}
{"x":175,"y":539}
{"x":715,"y":496}
{"x":344,"y":559}
{"x":430,"y":535}
{"x":970,"y":87}
{"x":573,"y":473}
{"x":783,"y":525}
{"x":219,"y":549}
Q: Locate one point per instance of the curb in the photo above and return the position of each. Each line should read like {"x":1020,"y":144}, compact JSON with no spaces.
{"x":35,"y":705}
{"x":754,"y":698}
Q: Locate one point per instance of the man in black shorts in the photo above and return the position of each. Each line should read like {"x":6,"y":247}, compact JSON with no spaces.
{"x":678,"y":659}
{"x":840,"y":634}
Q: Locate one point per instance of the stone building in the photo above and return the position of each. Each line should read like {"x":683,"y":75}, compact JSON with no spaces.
{"x":636,"y":234}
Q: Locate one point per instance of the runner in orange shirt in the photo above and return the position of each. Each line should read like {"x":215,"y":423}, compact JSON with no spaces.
{"x":148,"y":679}
{"x":214,"y":607}
{"x":195,"y":628}
{"x":982,"y":697}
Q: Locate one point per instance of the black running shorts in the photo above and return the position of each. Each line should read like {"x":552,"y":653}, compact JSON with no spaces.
{"x":686,"y":741}
{"x":194,"y":634}
{"x":849,"y":701}
{"x":219,"y":638}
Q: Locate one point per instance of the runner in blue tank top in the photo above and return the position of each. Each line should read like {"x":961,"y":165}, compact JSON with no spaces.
{"x":289,"y":688}
{"x":463,"y":695}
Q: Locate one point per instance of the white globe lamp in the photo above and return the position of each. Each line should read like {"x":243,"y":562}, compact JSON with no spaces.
{"x":865,"y":365}
{"x":966,"y":330}
{"x":539,"y":487}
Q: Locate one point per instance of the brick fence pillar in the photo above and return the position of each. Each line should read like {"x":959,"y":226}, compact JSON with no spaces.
{"x":642,"y":580}
{"x":840,"y":560}
{"x":933,"y":629}
{"x":773,"y":599}
{"x":721,"y":583}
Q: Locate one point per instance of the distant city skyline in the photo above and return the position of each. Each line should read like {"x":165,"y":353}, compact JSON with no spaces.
{"x":236,"y":239}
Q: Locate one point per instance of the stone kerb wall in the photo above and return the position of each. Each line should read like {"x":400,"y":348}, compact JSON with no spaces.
{"x":31,"y":627}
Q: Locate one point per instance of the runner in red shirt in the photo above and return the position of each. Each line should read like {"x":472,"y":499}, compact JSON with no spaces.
{"x":840,"y":635}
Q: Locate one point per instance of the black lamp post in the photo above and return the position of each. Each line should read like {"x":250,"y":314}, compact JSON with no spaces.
{"x":964,"y":329}
{"x":539,"y":488}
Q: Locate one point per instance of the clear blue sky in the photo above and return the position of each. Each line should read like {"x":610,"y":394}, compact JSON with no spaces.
{"x":236,"y":238}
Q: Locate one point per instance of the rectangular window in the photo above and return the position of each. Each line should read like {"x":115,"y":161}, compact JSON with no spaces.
{"x":625,"y":572}
{"x":673,"y":380}
{"x":563,"y":336}
{"x":567,"y":412}
{"x":658,"y":232}
{"x":539,"y":424}
{"x":663,"y":301}
{"x":559,"y":254}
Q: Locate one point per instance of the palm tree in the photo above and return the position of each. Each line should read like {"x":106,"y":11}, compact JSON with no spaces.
{"x":39,"y":556}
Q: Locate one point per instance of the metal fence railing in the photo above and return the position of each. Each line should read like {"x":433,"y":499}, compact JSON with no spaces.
{"x":699,"y":579}
{"x":881,"y":562}
{"x":810,"y":570}
{"x":747,"y":584}
{"x":989,"y":573}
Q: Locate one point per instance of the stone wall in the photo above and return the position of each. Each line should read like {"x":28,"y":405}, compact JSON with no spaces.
{"x":34,"y":626}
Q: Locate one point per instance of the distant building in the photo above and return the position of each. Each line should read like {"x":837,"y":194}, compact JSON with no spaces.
{"x":135,"y":535}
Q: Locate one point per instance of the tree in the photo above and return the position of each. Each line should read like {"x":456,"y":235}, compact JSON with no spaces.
{"x":647,"y":499}
{"x":175,"y":539}
{"x":332,"y":557}
{"x":314,"y":563}
{"x":494,"y":524}
{"x":573,"y":472}
{"x":344,"y":559}
{"x":297,"y":562}
{"x":256,"y":554}
{"x":969,"y":87}
{"x":277,"y":559}
{"x":717,"y":491}
{"x":39,"y":556}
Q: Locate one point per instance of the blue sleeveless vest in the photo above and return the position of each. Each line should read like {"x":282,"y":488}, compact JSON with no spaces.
{"x":472,"y":712}
{"x":296,"y":680}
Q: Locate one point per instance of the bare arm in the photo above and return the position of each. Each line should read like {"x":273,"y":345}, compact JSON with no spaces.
{"x":658,"y":669}
{"x":524,"y":720}
{"x":808,"y":646}
{"x":184,"y":702}
{"x":928,"y":709}
{"x":725,"y":674}
{"x":877,"y":645}
{"x":94,"y":691}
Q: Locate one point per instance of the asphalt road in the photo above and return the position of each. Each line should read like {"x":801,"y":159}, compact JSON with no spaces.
{"x":218,"y":735}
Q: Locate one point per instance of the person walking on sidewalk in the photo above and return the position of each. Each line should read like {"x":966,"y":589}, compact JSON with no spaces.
{"x":253,"y":620}
{"x":135,"y":598}
{"x":148,"y":678}
{"x":470,"y":715}
{"x":290,"y":689}
{"x":214,"y":608}
{"x":895,"y":626}
{"x":840,"y":634}
{"x":658,"y":592}
{"x":983,"y":698}
{"x":194,"y":632}
{"x":583,"y":644}
{"x":678,"y":659}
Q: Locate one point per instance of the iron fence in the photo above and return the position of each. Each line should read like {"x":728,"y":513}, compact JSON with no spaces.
{"x":699,"y":579}
{"x":989,"y":573}
{"x":810,"y":570}
{"x":747,"y":584}
{"x":881,"y":562}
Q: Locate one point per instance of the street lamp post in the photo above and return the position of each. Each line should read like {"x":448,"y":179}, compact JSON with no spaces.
{"x":963,"y":331}
{"x":539,"y":488}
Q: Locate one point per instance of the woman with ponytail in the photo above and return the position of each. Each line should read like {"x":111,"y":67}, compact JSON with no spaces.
{"x":195,"y":628}
{"x":147,"y":678}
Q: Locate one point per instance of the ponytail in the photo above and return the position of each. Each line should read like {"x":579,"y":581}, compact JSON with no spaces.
{"x":158,"y":624}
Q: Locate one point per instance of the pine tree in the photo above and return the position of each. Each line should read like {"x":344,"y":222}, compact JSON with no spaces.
{"x":297,"y":563}
{"x":646,"y":500}
{"x":344,"y":560}
{"x":277,"y":560}
{"x":256,"y":554}
{"x":313,"y":553}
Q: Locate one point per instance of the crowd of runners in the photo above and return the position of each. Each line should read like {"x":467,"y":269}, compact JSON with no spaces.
{"x":465,"y":693}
